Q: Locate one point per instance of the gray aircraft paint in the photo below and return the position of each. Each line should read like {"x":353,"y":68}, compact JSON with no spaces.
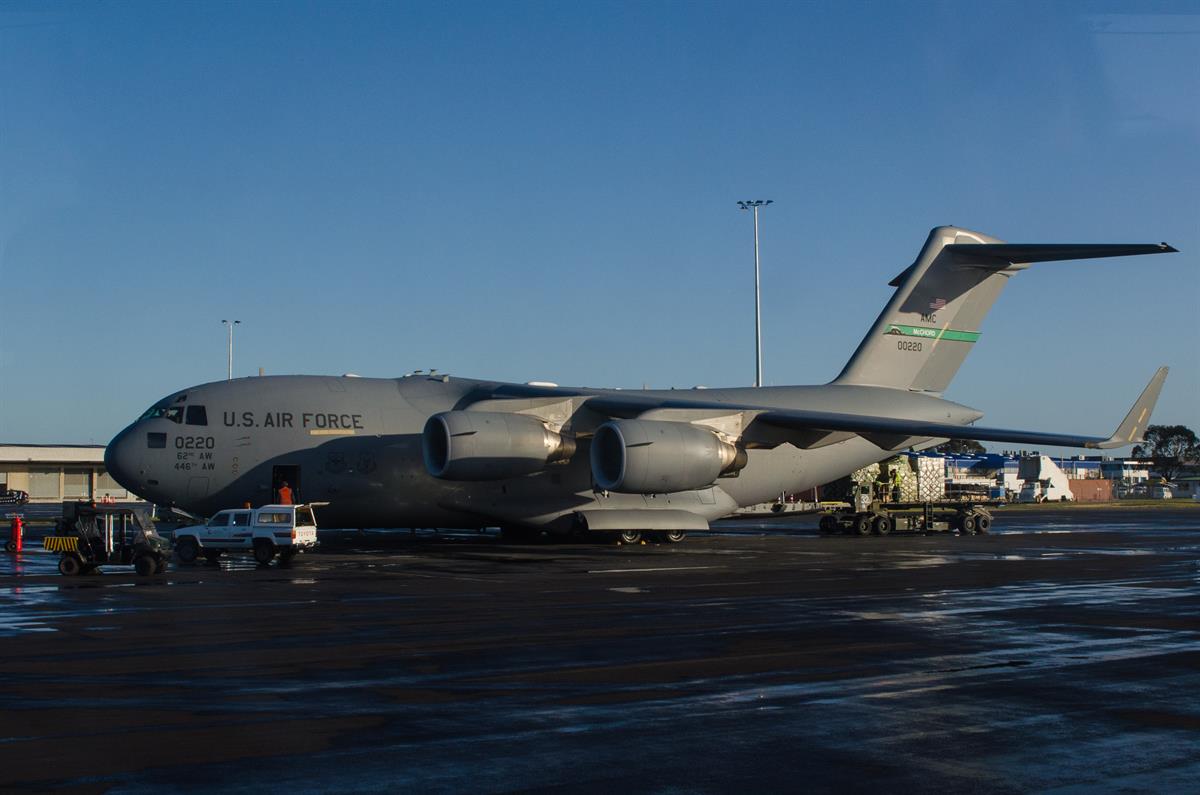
{"x":358,"y":441}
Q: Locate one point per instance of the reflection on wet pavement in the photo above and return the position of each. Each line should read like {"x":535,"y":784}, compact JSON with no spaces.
{"x":1024,"y":661}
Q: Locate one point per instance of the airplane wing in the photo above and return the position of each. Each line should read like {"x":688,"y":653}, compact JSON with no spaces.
{"x":816,"y":428}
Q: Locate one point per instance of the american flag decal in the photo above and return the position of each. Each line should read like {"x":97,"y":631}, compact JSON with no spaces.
{"x":937,"y":303}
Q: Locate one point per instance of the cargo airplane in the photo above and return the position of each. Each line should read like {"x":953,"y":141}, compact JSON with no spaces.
{"x":433,"y":450}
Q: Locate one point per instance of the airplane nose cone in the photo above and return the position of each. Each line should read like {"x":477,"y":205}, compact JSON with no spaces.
{"x":121,"y":459}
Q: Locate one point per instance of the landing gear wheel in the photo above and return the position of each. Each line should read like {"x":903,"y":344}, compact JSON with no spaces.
{"x":674,"y":536}
{"x":828,"y":524}
{"x":187,"y":550}
{"x":630,"y":536}
{"x":862,"y":524}
{"x":882,"y":525}
{"x":264,"y":552}
{"x":967,"y":525}
{"x":145,"y":565}
{"x":983,"y":523}
{"x":70,"y":565}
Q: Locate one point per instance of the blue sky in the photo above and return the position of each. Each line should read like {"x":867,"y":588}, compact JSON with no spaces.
{"x":547,"y":191}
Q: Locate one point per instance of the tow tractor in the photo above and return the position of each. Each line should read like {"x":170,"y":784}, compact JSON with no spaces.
{"x":90,"y":536}
{"x":871,"y":515}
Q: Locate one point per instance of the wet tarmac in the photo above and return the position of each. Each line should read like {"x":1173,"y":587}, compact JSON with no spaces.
{"x":1060,"y":654}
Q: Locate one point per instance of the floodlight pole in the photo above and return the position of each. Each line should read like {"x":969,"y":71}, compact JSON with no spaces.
{"x":754,"y":205}
{"x":229,"y":368}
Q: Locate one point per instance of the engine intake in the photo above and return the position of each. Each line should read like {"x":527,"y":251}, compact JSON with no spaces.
{"x":478,"y":445}
{"x":654,"y":457}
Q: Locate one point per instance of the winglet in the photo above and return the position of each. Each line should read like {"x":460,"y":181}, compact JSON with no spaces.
{"x":1133,"y":429}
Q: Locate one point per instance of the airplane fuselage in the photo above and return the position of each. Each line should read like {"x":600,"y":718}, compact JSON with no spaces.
{"x":356,"y":443}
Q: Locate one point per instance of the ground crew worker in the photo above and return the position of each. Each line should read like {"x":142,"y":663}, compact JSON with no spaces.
{"x":285,"y":494}
{"x":895,"y":484}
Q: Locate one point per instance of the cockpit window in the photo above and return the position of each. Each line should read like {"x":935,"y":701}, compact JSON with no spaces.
{"x":172,"y":413}
{"x":196,"y":415}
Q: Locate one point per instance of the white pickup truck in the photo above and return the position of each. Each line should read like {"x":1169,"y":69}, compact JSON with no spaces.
{"x":284,"y":530}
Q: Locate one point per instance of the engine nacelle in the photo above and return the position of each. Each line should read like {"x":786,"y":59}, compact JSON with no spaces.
{"x":479,"y":445}
{"x":654,"y":457}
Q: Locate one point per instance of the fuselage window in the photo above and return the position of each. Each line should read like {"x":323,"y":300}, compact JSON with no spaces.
{"x":196,"y":415}
{"x":174,"y":414}
{"x":156,"y":440}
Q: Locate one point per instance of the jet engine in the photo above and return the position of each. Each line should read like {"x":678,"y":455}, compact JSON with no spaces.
{"x":478,"y":445}
{"x":654,"y":457}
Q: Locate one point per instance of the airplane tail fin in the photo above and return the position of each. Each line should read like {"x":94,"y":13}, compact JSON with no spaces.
{"x":926,"y":331}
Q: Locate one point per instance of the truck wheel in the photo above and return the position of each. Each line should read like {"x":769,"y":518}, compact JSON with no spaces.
{"x":264,"y":551}
{"x":828,"y":524}
{"x":631,"y":536}
{"x":187,"y":550}
{"x":70,"y":565}
{"x":145,"y":565}
{"x":882,"y":525}
{"x":983,"y":523}
{"x":862,"y":524}
{"x":968,"y":524}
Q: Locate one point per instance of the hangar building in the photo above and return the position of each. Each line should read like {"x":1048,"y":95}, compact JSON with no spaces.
{"x":53,"y":473}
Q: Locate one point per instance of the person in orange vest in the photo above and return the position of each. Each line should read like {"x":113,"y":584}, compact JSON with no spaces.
{"x":285,"y":494}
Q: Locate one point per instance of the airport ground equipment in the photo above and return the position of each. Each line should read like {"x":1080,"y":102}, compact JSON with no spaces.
{"x":283,"y":530}
{"x":13,"y":497}
{"x":870,"y":515}
{"x":882,"y":519}
{"x":16,"y":537}
{"x":90,"y":536}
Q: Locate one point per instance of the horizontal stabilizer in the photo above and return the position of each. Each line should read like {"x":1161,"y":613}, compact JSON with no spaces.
{"x":1053,"y":252}
{"x":935,"y":317}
